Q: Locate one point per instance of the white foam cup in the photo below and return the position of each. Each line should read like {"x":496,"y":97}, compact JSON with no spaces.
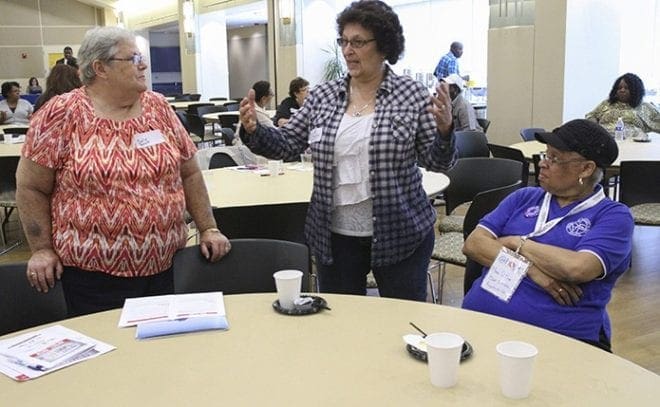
{"x":516,"y":365}
{"x":288,"y":284}
{"x":444,"y":356}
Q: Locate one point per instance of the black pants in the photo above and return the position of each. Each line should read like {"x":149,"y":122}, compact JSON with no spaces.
{"x":87,"y":292}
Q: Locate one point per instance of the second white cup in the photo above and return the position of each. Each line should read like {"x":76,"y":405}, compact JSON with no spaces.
{"x":288,"y":284}
{"x":274,"y":167}
{"x":516,"y":365}
{"x":444,"y":356}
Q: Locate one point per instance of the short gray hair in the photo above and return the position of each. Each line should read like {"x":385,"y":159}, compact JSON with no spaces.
{"x":100,"y":43}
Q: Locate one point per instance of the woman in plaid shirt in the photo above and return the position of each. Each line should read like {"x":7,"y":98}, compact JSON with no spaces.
{"x":368,"y":133}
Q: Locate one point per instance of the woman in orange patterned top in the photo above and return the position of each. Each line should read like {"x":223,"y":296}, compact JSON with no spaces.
{"x":106,"y":174}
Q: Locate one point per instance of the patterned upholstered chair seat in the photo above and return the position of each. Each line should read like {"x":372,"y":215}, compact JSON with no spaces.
{"x":646,"y":214}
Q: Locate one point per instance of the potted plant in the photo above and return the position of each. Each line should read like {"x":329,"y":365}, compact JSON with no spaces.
{"x":333,"y":68}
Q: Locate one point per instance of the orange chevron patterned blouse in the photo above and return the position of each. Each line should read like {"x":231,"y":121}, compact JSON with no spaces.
{"x":115,"y":208}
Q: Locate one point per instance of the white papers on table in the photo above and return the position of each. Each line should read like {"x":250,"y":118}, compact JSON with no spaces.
{"x":172,"y":314}
{"x":37,"y":353}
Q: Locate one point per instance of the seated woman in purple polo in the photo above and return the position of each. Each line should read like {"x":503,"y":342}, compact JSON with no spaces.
{"x":553,"y":253}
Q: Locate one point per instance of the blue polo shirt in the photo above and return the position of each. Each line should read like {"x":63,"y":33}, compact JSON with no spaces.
{"x":604,"y":230}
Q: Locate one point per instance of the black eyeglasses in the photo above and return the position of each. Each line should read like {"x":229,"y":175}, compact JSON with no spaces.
{"x":136,"y":59}
{"x":354,"y":43}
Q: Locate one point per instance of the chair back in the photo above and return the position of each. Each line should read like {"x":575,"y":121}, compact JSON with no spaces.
{"x":184,"y":97}
{"x":192,"y":108}
{"x":527,"y":133}
{"x":277,"y":221}
{"x":228,"y":121}
{"x":219,"y":98}
{"x":512,"y":154}
{"x":21,"y":306}
{"x":195,"y":96}
{"x":221,"y":160}
{"x":247,"y":268}
{"x":471,"y":143}
{"x":232,"y":107}
{"x":477,"y":174}
{"x":639,"y":182}
{"x":484,"y":123}
{"x":196,"y":125}
{"x":482,"y":204}
{"x":228,"y":136}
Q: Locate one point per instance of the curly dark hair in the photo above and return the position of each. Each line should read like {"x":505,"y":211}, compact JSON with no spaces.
{"x":6,"y":87}
{"x":296,"y":84}
{"x":635,"y":86}
{"x":381,"y":20}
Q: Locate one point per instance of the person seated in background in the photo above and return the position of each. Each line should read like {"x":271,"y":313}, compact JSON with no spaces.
{"x":298,"y":90}
{"x":553,"y":253}
{"x":625,"y":101}
{"x":13,"y":109}
{"x":62,"y":79}
{"x":33,"y":86}
{"x":262,"y":97}
{"x":68,"y":59}
{"x":465,"y":118}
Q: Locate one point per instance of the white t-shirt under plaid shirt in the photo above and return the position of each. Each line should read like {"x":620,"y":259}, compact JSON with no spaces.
{"x":403,"y":136}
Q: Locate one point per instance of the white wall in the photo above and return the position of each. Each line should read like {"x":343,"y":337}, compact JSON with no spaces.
{"x":593,"y":49}
{"x":212,"y":64}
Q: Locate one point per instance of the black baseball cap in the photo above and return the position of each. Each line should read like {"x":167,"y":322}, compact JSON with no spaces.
{"x":587,"y":138}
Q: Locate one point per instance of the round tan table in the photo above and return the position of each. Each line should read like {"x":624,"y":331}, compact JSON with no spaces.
{"x":629,"y":150}
{"x":229,"y":187}
{"x":215,"y":117}
{"x":350,"y":356}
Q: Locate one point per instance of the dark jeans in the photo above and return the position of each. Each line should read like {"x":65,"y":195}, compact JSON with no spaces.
{"x":87,"y":292}
{"x":352,"y":262}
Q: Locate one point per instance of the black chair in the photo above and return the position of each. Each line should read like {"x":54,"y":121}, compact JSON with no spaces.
{"x":448,"y":246}
{"x":469,"y":177}
{"x":217,"y":99}
{"x":228,"y":136}
{"x":228,"y":121}
{"x":640,"y":190}
{"x":184,"y":97}
{"x":512,"y":154}
{"x":247,"y":268}
{"x":470,"y":143}
{"x":195,"y":96}
{"x":193,"y":107}
{"x":202,"y":110}
{"x":527,"y":133}
{"x":232,"y":107}
{"x":183,"y":118}
{"x":484,"y":123}
{"x":8,"y":166}
{"x":221,"y":160}
{"x":278,"y":221}
{"x":21,"y":306}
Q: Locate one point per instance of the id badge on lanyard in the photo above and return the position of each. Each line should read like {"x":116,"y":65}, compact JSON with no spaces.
{"x":509,"y":267}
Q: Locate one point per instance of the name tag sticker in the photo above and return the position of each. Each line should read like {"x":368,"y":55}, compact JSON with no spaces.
{"x":148,"y":139}
{"x":506,"y":273}
{"x":315,"y":135}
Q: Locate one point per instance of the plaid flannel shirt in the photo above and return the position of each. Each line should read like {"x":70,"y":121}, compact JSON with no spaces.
{"x":448,"y":64}
{"x":403,"y":135}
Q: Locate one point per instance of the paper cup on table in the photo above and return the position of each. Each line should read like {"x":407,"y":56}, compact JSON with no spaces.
{"x":444,"y":356}
{"x":274,"y":167}
{"x":288,"y":284}
{"x":516,"y":365}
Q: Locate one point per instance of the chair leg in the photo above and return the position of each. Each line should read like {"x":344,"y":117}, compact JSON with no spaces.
{"x":434,"y":294}
{"x":441,"y":281}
